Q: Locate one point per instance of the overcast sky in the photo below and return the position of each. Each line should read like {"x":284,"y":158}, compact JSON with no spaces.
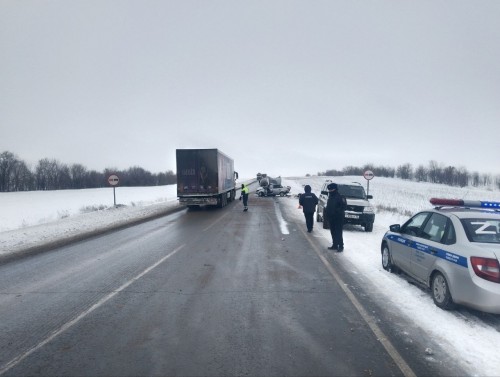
{"x":284,"y":87}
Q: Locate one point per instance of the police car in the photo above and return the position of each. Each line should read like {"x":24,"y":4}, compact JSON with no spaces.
{"x":454,"y":249}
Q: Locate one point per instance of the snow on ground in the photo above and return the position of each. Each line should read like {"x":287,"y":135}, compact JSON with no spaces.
{"x":30,"y":218}
{"x":463,"y":331}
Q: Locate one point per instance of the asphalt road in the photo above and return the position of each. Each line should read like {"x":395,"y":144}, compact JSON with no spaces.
{"x":217,"y":292}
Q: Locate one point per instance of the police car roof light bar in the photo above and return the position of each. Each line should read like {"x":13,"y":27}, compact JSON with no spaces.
{"x":465,"y":203}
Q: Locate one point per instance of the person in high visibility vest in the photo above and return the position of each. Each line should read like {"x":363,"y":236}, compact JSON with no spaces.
{"x":244,"y":195}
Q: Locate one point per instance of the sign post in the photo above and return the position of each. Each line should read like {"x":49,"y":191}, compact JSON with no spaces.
{"x":113,"y":180}
{"x":368,"y":175}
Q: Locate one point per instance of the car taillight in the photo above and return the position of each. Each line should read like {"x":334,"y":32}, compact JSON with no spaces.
{"x":486,"y":268}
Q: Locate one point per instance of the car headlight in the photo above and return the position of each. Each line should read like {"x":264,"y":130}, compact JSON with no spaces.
{"x":368,"y":209}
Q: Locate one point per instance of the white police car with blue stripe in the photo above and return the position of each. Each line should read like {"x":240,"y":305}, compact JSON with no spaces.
{"x":454,"y":249}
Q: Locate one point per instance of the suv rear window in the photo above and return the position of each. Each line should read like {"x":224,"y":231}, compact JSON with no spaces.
{"x":482,"y":230}
{"x":349,"y":191}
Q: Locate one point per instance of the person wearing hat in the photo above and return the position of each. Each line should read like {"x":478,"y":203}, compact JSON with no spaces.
{"x":308,"y":201}
{"x":335,"y":208}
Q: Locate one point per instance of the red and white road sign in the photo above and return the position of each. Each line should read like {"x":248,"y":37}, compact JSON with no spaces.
{"x":368,"y":175}
{"x":113,"y":180}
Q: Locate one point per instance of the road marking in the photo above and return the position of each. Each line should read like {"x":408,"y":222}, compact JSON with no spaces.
{"x":215,"y":222}
{"x":75,"y":320}
{"x":370,"y":321}
{"x":281,"y":220}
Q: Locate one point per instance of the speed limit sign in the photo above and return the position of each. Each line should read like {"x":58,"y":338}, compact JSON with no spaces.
{"x":368,"y":175}
{"x":113,"y":180}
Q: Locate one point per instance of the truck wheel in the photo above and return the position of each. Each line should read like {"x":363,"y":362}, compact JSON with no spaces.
{"x":222,"y":200}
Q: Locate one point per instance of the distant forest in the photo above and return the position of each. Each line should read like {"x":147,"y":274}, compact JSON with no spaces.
{"x":50,"y":174}
{"x":434,"y":173}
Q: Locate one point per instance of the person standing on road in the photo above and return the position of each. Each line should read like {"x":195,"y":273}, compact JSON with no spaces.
{"x":244,"y":194}
{"x":335,"y":208}
{"x":308,"y":201}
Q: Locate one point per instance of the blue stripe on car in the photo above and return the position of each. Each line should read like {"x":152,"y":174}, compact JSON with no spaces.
{"x":438,"y":253}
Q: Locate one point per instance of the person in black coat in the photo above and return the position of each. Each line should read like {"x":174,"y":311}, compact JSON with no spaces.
{"x":308,"y":201}
{"x":335,"y":210}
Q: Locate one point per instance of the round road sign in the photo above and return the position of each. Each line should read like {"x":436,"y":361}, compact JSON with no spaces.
{"x":113,"y":180}
{"x":368,"y":175}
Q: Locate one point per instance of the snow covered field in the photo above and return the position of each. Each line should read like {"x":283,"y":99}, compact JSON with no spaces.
{"x":29,"y":218}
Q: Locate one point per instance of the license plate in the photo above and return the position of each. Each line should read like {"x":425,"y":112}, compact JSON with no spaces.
{"x":349,"y":216}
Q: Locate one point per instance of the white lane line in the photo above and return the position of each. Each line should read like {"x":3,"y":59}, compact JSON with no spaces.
{"x":215,"y":222}
{"x":74,"y":321}
{"x":281,"y":220}
{"x":370,"y":321}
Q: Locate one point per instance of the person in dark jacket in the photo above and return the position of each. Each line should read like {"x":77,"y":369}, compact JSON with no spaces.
{"x":308,"y":201}
{"x":335,"y":215}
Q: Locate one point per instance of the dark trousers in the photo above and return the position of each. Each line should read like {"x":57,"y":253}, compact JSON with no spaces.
{"x":245,"y":200}
{"x":336,"y":227}
{"x":309,"y":220}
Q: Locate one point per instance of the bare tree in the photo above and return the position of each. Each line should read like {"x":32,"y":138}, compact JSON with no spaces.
{"x":7,"y":163}
{"x":22,"y":178}
{"x":404,"y":171}
{"x":462,"y":176}
{"x":47,"y":174}
{"x":448,"y":176}
{"x":78,"y":173}
{"x":421,"y":174}
{"x":434,"y":172}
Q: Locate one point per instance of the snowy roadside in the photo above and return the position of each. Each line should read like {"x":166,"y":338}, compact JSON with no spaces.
{"x":74,"y":228}
{"x":470,"y":337}
{"x":35,"y":221}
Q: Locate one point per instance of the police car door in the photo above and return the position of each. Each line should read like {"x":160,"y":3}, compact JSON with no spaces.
{"x":428,"y":248}
{"x":403,"y":248}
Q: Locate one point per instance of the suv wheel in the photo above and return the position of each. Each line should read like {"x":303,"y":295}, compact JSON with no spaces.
{"x":369,"y":227}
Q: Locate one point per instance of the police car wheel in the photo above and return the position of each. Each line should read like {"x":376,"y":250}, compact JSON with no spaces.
{"x":386,"y":259}
{"x":440,"y":292}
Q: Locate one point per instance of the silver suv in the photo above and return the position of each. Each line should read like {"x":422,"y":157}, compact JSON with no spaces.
{"x":359,"y":210}
{"x":273,"y":190}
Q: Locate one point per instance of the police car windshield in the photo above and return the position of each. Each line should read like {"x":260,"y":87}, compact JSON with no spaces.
{"x":482,"y":230}
{"x":349,"y":191}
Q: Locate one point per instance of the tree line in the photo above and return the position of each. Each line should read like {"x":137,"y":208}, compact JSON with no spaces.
{"x":433,"y":173}
{"x":50,"y":174}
